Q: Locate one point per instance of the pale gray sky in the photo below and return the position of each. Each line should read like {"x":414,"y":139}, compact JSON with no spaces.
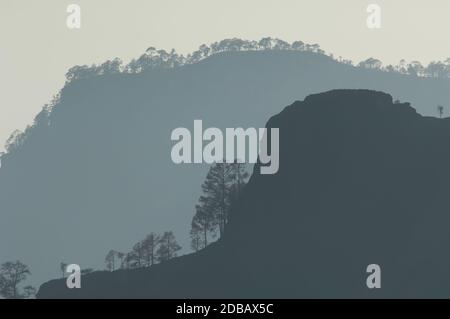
{"x":36,"y":47}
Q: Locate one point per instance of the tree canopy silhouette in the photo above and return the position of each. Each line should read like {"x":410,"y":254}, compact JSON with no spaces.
{"x":159,"y":58}
{"x":12,"y":274}
{"x":168,"y":247}
{"x":222,"y":186}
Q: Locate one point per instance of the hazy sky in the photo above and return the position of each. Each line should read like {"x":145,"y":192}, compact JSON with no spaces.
{"x":36,"y":47}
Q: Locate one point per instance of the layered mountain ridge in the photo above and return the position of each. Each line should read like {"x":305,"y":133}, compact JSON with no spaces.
{"x":362,"y":180}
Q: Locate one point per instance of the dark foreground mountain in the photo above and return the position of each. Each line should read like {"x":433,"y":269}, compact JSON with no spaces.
{"x":362,"y":181}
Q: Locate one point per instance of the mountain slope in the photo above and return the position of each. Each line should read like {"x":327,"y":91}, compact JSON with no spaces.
{"x":100,"y":175}
{"x":362,"y":181}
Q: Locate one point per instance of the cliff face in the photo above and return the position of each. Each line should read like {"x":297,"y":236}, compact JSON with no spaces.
{"x":362,"y":180}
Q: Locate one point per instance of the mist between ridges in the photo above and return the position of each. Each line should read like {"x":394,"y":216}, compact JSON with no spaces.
{"x":236,"y":145}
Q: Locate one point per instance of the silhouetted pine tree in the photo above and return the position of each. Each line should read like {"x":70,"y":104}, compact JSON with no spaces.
{"x":110,"y":260}
{"x":149,"y":246}
{"x":168,"y":247}
{"x":223,"y":184}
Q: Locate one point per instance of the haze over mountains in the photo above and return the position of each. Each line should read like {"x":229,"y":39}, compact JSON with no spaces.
{"x":99,"y":175}
{"x":364,"y":180}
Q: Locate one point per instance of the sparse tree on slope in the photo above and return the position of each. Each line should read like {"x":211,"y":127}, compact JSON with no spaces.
{"x":440,"y":110}
{"x":137,"y":254}
{"x":121,"y":257}
{"x":149,"y":246}
{"x":168,"y":247}
{"x":110,"y":260}
{"x":197,"y":241}
{"x":203,"y":223}
{"x":222,"y":186}
{"x":216,"y":190}
{"x":63,"y":267}
{"x":12,"y":274}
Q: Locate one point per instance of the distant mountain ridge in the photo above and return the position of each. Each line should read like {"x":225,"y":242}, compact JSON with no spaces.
{"x":95,"y":173}
{"x":362,"y":180}
{"x":159,"y":58}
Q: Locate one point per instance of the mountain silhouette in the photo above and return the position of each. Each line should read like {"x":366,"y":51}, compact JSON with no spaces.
{"x":95,"y":173}
{"x":362,"y":180}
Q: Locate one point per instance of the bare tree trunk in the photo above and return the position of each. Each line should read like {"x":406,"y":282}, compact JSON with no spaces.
{"x":205,"y":234}
{"x":168,"y":248}
{"x":152,"y":254}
